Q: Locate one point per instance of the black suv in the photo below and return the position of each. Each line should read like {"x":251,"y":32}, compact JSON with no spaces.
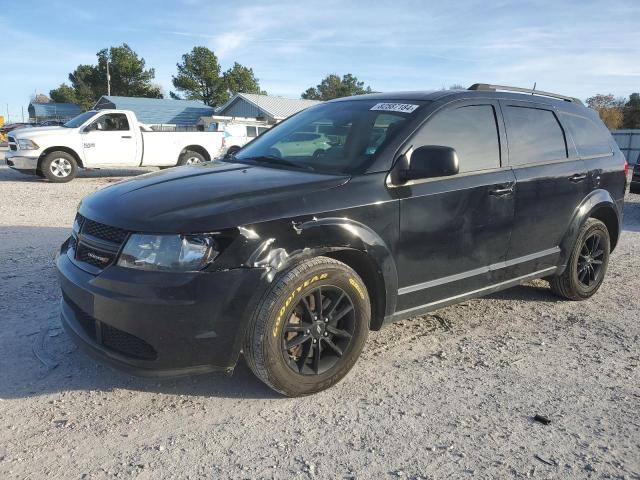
{"x":291,"y":251}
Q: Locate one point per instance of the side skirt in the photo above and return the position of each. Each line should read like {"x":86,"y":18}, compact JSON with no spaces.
{"x":429,"y":307}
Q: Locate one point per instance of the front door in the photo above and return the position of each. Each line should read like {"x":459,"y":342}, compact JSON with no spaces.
{"x":454,"y":231}
{"x":109,"y":140}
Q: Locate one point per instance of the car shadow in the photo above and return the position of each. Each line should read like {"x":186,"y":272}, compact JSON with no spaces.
{"x":537,"y":291}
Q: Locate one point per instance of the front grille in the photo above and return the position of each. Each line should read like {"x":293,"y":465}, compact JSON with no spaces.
{"x":93,"y":256}
{"x":111,"y":337}
{"x":12,"y":144}
{"x":104,"y":232}
{"x":97,"y":244}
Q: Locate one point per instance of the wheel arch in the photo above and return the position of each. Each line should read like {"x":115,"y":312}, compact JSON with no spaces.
{"x":198,"y":149}
{"x":344,"y":240}
{"x":600,"y":205}
{"x":68,"y":150}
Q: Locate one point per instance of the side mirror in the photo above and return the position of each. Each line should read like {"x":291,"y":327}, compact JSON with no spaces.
{"x":430,"y":161}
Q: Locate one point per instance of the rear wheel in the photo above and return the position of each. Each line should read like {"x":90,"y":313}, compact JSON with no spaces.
{"x":309,"y":329}
{"x":587,"y":264}
{"x":191,"y":158}
{"x":59,"y":167}
{"x":233,"y":150}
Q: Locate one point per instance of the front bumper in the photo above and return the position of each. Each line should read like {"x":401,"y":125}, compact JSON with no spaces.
{"x":22,"y":163}
{"x":155,"y":323}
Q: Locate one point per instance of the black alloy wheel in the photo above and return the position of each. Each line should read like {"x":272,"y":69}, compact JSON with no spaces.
{"x":319,"y":330}
{"x":591,"y":259}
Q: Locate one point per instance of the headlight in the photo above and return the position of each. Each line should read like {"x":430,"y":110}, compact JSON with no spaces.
{"x":26,"y":144}
{"x":176,"y":253}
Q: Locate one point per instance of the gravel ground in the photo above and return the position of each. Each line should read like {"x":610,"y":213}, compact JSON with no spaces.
{"x":452,"y":394}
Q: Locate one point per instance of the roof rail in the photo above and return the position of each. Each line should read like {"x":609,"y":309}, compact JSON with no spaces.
{"x":487,"y":87}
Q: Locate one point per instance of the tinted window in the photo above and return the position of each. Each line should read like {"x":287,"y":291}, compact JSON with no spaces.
{"x":252,"y":132}
{"x":590,"y":139}
{"x":472,"y":131}
{"x":534,"y":135}
{"x":261,"y":130}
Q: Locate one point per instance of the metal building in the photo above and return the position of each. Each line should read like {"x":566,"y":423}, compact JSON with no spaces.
{"x":40,"y":112}
{"x":158,"y":111}
{"x":263,"y":107}
{"x":629,"y":143}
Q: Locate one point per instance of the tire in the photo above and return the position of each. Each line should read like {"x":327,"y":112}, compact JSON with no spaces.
{"x":59,"y":167}
{"x":634,"y":188}
{"x":587,"y":264}
{"x":233,"y":150}
{"x":298,"y":371}
{"x":189,"y":157}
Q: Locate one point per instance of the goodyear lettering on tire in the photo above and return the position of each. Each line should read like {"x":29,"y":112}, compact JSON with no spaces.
{"x":290,"y":298}
{"x":357,"y":286}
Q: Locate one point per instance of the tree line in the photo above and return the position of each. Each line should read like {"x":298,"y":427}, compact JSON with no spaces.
{"x":199,"y":77}
{"x":617,"y":112}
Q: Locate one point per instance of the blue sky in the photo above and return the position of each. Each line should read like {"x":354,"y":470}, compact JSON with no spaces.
{"x":576,"y":48}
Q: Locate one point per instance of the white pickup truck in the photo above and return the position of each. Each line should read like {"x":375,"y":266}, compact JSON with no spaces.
{"x":105,"y":138}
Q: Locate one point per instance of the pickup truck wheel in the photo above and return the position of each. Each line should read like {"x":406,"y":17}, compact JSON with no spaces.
{"x":191,"y":158}
{"x":233,"y":150}
{"x":309,"y":328}
{"x":59,"y":167}
{"x":587,"y":264}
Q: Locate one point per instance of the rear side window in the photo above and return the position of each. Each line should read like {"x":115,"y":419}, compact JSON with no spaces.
{"x":534,"y":135}
{"x":590,"y":139}
{"x":471,"y":130}
{"x":252,"y":132}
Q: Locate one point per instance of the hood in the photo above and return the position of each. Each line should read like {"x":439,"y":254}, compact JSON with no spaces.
{"x":205,"y":197}
{"x":30,"y":132}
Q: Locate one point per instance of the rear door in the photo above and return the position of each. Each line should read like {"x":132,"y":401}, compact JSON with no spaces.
{"x":551,"y":180}
{"x":110,"y":140}
{"x":454,"y":229}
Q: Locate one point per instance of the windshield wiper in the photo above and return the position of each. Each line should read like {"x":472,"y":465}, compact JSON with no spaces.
{"x":276,"y":161}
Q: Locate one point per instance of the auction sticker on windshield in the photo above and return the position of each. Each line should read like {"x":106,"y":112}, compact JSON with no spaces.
{"x":395,"y":107}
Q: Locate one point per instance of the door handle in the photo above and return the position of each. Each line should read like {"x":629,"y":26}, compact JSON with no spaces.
{"x":578,"y":177}
{"x":126,"y":136}
{"x":501,"y":191}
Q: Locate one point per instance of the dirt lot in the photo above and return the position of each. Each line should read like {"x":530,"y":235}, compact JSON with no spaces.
{"x":448,"y":395}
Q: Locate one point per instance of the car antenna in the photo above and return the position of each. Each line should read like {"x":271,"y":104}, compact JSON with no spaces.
{"x":533,"y":90}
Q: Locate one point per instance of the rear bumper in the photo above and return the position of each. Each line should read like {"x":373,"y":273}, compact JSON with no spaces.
{"x":158,"y":324}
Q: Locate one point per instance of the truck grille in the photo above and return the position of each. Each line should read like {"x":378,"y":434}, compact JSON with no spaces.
{"x":111,"y":337}
{"x":96,"y":245}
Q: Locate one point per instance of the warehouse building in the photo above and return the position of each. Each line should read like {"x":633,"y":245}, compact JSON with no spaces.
{"x":159,"y":113}
{"x":52,"y":111}
{"x":267,"y":108}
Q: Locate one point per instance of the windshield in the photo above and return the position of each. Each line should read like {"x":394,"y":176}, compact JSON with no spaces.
{"x":340,"y":137}
{"x":75,"y":122}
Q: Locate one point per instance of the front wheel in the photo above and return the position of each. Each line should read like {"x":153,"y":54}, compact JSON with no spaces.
{"x":309,"y":328}
{"x":587,"y":264}
{"x":59,"y":167}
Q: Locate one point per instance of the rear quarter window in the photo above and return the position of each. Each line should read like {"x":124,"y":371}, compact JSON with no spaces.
{"x":590,"y":139}
{"x":534,"y":135}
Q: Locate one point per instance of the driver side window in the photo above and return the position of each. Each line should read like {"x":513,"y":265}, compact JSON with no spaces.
{"x":471,"y":130}
{"x":111,"y":122}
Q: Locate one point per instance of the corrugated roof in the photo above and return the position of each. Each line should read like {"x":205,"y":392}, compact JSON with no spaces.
{"x":53,"y":109}
{"x":276,"y":107}
{"x":158,"y":110}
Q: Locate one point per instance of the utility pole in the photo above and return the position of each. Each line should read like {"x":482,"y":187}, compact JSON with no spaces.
{"x":22,"y":109}
{"x":108,"y":79}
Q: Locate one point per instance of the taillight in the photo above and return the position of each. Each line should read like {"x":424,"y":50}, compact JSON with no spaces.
{"x":626,"y":168}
